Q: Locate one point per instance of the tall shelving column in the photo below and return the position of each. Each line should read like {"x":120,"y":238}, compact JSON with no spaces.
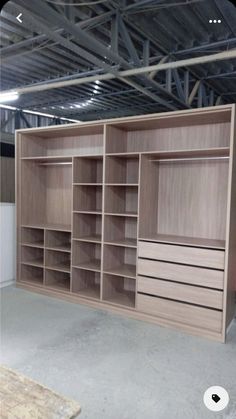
{"x":87,"y":226}
{"x":120,"y":229}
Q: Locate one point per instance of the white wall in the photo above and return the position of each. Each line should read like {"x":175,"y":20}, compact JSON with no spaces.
{"x":7,"y":244}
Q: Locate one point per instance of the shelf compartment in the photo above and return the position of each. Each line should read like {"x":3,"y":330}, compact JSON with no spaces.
{"x":88,"y":170}
{"x":32,"y":274}
{"x":86,"y":283}
{"x":32,"y":237}
{"x":58,"y":261}
{"x":122,"y":170}
{"x":87,"y":198}
{"x":119,"y":290}
{"x":32,"y":256}
{"x":87,"y":226}
{"x":121,"y":200}
{"x":58,"y":240}
{"x":120,"y":261}
{"x":120,"y":231}
{"x":87,"y":255}
{"x":57,"y":280}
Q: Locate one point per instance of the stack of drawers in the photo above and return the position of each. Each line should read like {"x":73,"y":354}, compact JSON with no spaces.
{"x":181,"y":284}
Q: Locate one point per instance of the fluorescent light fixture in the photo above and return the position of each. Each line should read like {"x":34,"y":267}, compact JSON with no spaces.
{"x":11,"y":108}
{"x":8,"y":97}
{"x":97,"y":81}
{"x":96,"y":87}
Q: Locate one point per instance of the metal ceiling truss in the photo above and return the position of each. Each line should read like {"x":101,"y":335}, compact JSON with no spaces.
{"x":108,"y":39}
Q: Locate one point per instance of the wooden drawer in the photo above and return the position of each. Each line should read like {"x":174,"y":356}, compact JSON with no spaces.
{"x":186,"y":314}
{"x":182,"y":254}
{"x":186,"y":274}
{"x":181,"y":292}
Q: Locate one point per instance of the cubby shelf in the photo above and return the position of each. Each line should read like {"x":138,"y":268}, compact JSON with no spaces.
{"x":96,"y":238}
{"x":125,"y":242}
{"x":122,"y":214}
{"x":57,"y":280}
{"x":39,"y":245}
{"x":48,"y":226}
{"x":37,"y":262}
{"x":86,"y":283}
{"x":59,"y":248}
{"x":92,"y":265}
{"x":62,"y":266}
{"x":127,"y":270}
{"x":32,"y":274}
{"x":119,"y":290}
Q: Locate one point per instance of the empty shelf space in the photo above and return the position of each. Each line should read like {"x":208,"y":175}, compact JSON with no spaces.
{"x":57,"y":280}
{"x":32,"y":237}
{"x":122,"y":184}
{"x":59,"y":261}
{"x":122,"y":171}
{"x":120,"y":231}
{"x":188,"y":241}
{"x":87,"y":184}
{"x":121,"y":200}
{"x":31,"y":274}
{"x":87,"y":255}
{"x":88,"y":170}
{"x":58,"y":240}
{"x":87,"y":225}
{"x":119,"y":290}
{"x":86,"y":283}
{"x":88,"y":199}
{"x":32,"y":256}
{"x":120,"y":261}
{"x":123,"y":214}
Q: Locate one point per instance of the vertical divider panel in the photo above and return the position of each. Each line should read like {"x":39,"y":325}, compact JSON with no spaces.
{"x":72,"y":223}
{"x":103,"y":208}
{"x":44,"y":256}
{"x":139,"y":179}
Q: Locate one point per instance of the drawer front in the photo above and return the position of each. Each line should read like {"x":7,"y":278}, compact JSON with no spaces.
{"x":186,"y":274}
{"x":181,"y":292}
{"x":182,"y":254}
{"x":200,"y":317}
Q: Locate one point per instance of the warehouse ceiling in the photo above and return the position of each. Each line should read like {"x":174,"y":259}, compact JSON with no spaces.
{"x":66,"y":40}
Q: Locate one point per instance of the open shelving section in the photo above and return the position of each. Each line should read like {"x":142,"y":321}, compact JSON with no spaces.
{"x":135,"y":214}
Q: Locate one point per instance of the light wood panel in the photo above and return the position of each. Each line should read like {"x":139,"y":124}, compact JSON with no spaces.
{"x":182,"y":254}
{"x":7,"y":179}
{"x":183,"y":313}
{"x":193,"y":198}
{"x":181,"y":292}
{"x":86,"y":283}
{"x":182,"y":273}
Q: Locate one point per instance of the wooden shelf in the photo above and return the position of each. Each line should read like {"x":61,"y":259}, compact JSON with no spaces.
{"x":87,"y":225}
{"x":62,"y":267}
{"x":88,"y":171}
{"x":96,"y":238}
{"x":51,"y":226}
{"x":90,"y":292}
{"x":179,"y":154}
{"x":185,"y":241}
{"x":87,"y":184}
{"x":39,"y":245}
{"x":61,"y":248}
{"x":88,"y":212}
{"x":125,"y":242}
{"x":123,"y":184}
{"x":122,"y":214}
{"x":129,"y":271}
{"x":92,"y":265}
{"x":50,"y":159}
{"x":37,"y":262}
{"x":32,"y":274}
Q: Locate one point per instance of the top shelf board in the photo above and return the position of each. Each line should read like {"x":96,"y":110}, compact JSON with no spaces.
{"x":164,"y":154}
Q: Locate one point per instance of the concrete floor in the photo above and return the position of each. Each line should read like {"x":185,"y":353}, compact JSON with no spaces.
{"x":115,"y":367}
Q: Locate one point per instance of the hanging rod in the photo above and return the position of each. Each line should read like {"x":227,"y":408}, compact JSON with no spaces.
{"x":56,"y":163}
{"x":191,"y":159}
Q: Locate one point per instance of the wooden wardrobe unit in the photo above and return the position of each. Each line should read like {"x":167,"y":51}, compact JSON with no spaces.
{"x":136,"y":215}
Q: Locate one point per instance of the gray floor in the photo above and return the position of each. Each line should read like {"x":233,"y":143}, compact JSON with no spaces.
{"x":113,"y":366}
